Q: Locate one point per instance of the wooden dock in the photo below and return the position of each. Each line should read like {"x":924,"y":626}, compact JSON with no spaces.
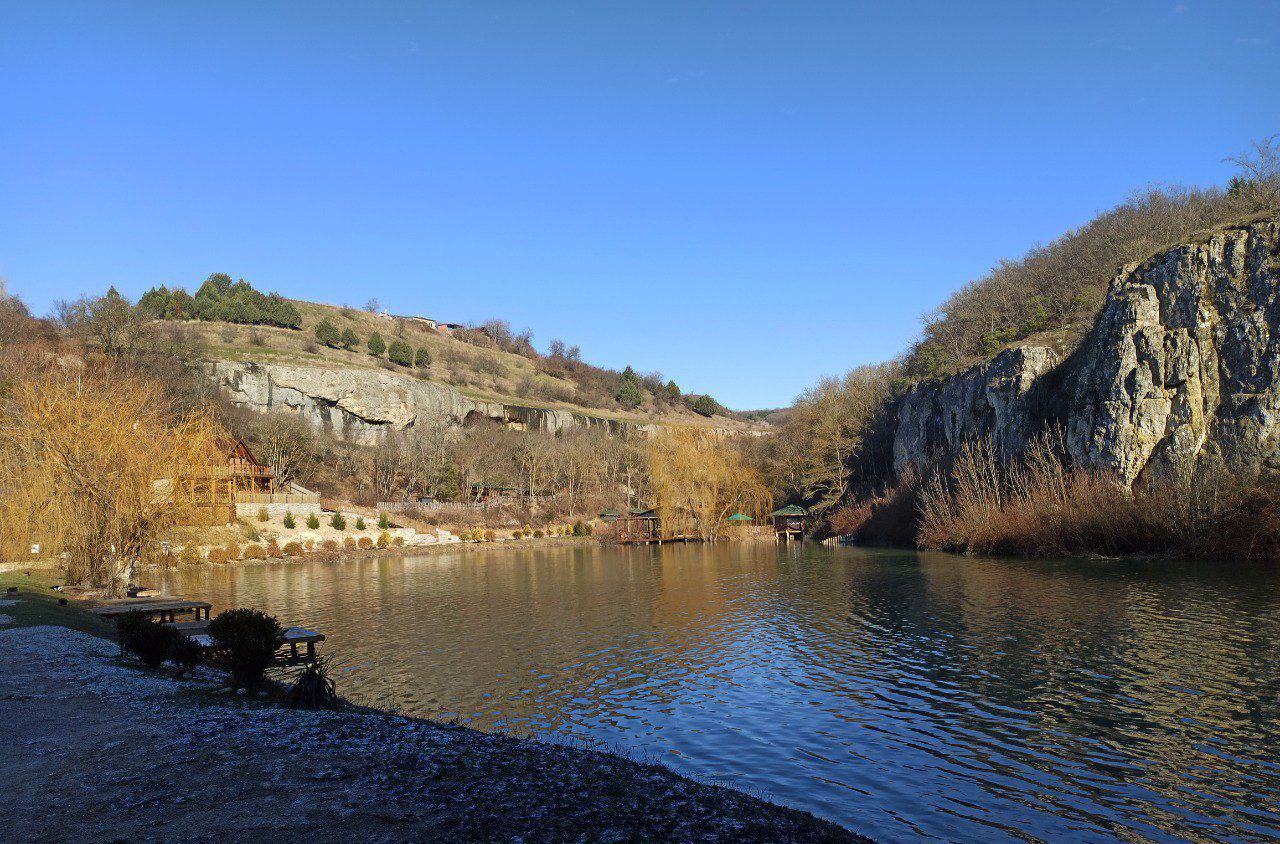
{"x":166,"y":610}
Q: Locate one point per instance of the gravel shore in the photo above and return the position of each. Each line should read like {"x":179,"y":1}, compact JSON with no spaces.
{"x":101,"y":750}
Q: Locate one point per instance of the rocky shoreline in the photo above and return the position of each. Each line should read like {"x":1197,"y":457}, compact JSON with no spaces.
{"x":110,"y":751}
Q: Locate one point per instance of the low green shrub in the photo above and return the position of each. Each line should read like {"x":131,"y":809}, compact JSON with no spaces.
{"x":383,"y":521}
{"x":263,"y":515}
{"x":537,"y":534}
{"x":150,"y":641}
{"x":244,"y":643}
{"x":314,"y":688}
{"x":313,"y":521}
{"x":337,"y":522}
{"x":289,"y":521}
{"x":185,"y":653}
{"x":360,"y":523}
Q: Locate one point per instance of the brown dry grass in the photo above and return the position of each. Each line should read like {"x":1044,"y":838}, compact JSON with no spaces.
{"x":1037,"y":505}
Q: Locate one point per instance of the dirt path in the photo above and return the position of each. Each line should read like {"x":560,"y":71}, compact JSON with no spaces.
{"x":97,"y":750}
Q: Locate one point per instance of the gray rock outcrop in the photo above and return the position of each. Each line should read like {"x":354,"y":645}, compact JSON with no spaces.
{"x":1181,"y":372}
{"x":363,"y":405}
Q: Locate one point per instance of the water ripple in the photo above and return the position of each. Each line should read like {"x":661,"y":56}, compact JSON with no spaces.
{"x":907,"y":696}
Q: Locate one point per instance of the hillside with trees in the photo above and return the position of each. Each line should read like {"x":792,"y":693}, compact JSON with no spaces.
{"x":490,"y":361}
{"x":1057,"y":289}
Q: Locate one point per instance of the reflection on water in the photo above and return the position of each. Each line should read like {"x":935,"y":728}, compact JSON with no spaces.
{"x":904,"y":695}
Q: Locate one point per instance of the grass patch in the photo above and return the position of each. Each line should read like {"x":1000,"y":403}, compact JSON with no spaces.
{"x":36,"y":604}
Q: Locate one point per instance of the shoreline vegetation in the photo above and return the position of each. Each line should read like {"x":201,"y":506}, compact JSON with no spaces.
{"x":173,"y":758}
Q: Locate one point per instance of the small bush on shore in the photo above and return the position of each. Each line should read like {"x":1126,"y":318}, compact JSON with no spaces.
{"x":254,"y":551}
{"x":397,"y":541}
{"x":217,"y":556}
{"x":337,"y":522}
{"x":273,"y":550}
{"x":383,"y":521}
{"x":517,"y":534}
{"x":360,"y":523}
{"x":384,"y":539}
{"x":330,"y":545}
{"x":185,"y":653}
{"x":244,"y":642}
{"x":149,"y":641}
{"x":313,"y":521}
{"x":349,"y":543}
{"x":289,"y":521}
{"x":263,"y":515}
{"x":232,"y":551}
{"x":365,"y":543}
{"x":490,"y":536}
{"x":190,"y":555}
{"x":537,"y":534}
{"x":293,"y":549}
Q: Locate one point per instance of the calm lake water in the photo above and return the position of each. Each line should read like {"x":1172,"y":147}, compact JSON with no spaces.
{"x":904,"y":695}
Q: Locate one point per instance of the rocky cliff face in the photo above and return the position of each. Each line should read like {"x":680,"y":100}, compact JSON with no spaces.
{"x":363,"y":405}
{"x":1180,"y":373}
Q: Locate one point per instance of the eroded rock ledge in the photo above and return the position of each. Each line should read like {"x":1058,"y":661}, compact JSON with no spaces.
{"x":363,"y":405}
{"x":1181,"y":372}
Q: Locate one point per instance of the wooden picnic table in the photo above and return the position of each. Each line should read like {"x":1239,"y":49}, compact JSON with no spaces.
{"x":167,"y":610}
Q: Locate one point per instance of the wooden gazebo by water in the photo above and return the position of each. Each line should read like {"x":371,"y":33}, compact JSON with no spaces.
{"x":789,"y":522}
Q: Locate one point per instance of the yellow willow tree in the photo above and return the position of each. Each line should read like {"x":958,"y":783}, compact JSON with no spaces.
{"x":699,"y":479}
{"x":93,"y":466}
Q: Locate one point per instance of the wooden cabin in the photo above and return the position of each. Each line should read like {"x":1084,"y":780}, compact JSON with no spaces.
{"x":243,"y":470}
{"x":218,"y":488}
{"x":789,"y":522}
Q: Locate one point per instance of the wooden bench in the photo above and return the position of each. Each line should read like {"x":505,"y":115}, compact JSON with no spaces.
{"x":293,"y":638}
{"x":167,"y":610}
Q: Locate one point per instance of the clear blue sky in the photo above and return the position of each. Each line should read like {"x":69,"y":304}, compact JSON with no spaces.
{"x":744,"y":196}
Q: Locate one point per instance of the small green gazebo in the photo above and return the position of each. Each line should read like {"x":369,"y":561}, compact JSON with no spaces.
{"x":739,"y":519}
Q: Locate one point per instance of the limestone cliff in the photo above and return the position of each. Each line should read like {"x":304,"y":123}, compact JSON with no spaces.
{"x":1180,"y":372}
{"x":363,"y":405}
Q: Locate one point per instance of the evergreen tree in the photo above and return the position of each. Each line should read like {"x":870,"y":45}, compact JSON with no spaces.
{"x":422,"y":359}
{"x":327,"y":333}
{"x":629,"y":393}
{"x":376,"y":344}
{"x":400,"y":353}
{"x":672,"y":390}
{"x":350,"y":339}
{"x":704,"y":405}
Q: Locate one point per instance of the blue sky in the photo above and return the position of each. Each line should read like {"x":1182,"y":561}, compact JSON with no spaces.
{"x":744,"y":196}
